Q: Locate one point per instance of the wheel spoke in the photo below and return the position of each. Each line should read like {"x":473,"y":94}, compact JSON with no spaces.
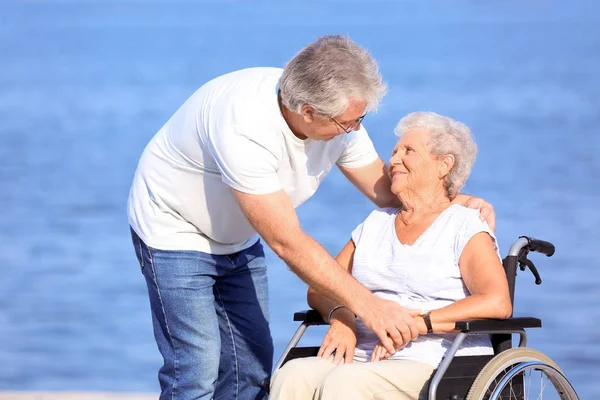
{"x":542,"y":386}
{"x":528,"y":387}
{"x":512,"y":392}
{"x":511,"y":374}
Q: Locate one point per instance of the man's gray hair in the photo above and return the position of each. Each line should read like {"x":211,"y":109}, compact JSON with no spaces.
{"x":446,"y":136}
{"x":329,"y":72}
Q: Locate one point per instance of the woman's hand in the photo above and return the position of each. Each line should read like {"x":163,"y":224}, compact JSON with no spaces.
{"x":379,"y":353}
{"x":341,"y":338}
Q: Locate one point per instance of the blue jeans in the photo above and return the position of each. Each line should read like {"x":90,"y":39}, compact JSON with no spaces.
{"x":211,"y":324}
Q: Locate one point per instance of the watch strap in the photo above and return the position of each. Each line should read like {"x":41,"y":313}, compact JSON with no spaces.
{"x":426,"y":315}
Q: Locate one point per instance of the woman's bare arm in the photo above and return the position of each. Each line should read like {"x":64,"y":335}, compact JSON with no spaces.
{"x":484,"y":276}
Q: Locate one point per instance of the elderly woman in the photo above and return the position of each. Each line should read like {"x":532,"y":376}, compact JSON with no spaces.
{"x":437,"y":259}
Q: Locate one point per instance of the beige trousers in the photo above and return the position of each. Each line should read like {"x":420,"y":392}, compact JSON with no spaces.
{"x":314,"y":378}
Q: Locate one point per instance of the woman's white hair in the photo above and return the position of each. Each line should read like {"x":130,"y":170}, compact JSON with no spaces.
{"x":446,"y":136}
{"x":329,"y":72}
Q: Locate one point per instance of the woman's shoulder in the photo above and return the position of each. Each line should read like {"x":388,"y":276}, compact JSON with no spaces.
{"x":460,"y":213}
{"x":384,"y":213}
{"x":461,"y":220}
{"x":380,"y":216}
{"x":374,"y":225}
{"x":466,"y":222}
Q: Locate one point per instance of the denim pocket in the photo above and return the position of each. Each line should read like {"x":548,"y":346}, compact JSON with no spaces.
{"x":137,"y":245}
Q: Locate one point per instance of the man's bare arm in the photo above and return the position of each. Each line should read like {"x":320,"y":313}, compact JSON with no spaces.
{"x":275,"y":219}
{"x":373,"y":181}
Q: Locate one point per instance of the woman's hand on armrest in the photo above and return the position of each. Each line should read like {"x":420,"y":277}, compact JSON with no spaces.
{"x":340,"y":337}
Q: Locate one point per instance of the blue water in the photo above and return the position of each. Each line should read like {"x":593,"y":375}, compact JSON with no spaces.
{"x":84,"y":85}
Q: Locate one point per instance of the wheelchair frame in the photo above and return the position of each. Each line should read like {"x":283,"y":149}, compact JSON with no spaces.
{"x":455,"y":376}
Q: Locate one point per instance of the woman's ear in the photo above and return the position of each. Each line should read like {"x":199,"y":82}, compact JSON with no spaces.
{"x":445,"y":165}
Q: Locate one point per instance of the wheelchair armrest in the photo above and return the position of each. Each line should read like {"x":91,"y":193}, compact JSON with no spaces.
{"x":498,"y":325}
{"x":311,"y":317}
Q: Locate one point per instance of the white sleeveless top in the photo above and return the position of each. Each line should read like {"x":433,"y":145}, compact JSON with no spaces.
{"x":422,"y":276}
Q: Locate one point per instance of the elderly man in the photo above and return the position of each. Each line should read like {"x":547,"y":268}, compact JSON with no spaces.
{"x":232,"y":164}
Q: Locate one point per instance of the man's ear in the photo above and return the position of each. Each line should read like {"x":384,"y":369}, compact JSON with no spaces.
{"x":308,"y":113}
{"x":445,"y":165}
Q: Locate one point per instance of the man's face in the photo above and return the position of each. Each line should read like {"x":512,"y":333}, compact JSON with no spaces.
{"x":319,"y":127}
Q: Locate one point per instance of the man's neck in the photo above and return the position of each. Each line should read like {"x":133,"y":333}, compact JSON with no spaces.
{"x":289,"y":117}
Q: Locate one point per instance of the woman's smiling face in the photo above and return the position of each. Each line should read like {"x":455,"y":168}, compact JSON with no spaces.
{"x":412,"y":165}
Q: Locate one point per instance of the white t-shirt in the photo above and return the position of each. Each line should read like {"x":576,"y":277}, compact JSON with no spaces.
{"x":422,"y":276}
{"x":229,"y":134}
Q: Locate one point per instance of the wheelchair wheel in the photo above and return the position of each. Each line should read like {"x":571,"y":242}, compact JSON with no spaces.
{"x":523,"y":374}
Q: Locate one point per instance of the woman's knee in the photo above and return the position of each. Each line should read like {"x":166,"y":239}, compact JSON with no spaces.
{"x":344,"y":375}
{"x":371,"y":381}
{"x":299,"y":378}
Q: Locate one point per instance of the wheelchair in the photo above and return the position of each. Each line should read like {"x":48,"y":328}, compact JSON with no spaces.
{"x":511,"y":373}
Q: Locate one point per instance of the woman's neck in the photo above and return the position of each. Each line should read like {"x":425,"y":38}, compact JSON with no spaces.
{"x":416,"y":206}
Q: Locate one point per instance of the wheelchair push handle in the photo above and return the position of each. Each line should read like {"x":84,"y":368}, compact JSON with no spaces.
{"x":541,"y":246}
{"x":522,"y":247}
{"x":526,"y":244}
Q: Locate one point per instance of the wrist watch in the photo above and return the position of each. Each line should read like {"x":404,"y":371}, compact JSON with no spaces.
{"x":426,"y":315}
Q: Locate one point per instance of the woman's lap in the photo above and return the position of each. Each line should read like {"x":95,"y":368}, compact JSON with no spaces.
{"x":317,"y":378}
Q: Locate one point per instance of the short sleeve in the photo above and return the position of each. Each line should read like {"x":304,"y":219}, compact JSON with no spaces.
{"x":357,"y":233}
{"x":472,"y":226}
{"x":245,"y":163}
{"x":374,"y":225}
{"x":359,"y":150}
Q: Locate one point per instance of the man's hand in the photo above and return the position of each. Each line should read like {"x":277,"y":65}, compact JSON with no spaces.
{"x":393,"y":324}
{"x":486,"y":211}
{"x":341,"y":338}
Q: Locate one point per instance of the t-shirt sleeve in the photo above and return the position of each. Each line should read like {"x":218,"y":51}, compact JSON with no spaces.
{"x":359,"y":150}
{"x":246,"y":164}
{"x":372,"y":224}
{"x":357,"y":233}
{"x":472,"y":226}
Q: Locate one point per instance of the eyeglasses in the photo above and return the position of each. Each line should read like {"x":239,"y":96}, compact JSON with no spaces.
{"x":352,"y":125}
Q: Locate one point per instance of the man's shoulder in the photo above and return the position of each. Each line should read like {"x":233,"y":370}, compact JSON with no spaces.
{"x":243,"y":102}
{"x":249,"y":73}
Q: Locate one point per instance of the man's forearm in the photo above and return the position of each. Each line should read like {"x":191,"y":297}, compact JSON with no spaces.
{"x":461,"y":198}
{"x":313,"y":264}
{"x":274,"y":218}
{"x":373,"y":181}
{"x":390,"y":201}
